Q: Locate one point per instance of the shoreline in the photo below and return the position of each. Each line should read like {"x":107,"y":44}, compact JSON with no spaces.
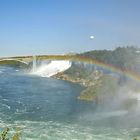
{"x":89,"y":92}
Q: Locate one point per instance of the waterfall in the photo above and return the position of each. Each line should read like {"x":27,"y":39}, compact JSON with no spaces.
{"x":52,"y":68}
{"x":34,"y":64}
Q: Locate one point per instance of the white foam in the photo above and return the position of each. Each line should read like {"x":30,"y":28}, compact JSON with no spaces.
{"x":136,"y":96}
{"x":5,"y":105}
{"x":36,"y":130}
{"x":48,"y":70}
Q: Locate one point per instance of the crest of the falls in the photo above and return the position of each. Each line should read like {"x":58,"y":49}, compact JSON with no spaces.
{"x":54,"y":67}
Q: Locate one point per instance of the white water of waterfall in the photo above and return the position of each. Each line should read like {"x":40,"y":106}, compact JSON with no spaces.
{"x":34,"y":64}
{"x":52,"y":68}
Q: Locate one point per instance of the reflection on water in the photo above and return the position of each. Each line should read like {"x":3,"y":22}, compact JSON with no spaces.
{"x":46,"y":108}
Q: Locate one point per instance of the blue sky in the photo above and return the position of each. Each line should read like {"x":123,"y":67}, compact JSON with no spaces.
{"x":60,"y":26}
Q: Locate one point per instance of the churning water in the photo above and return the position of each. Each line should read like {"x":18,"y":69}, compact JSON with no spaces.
{"x":47,"y":109}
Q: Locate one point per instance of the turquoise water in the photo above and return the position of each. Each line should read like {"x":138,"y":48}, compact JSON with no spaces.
{"x":47,"y":109}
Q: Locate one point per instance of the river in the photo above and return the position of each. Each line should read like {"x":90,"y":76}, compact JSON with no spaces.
{"x":48,"y":109}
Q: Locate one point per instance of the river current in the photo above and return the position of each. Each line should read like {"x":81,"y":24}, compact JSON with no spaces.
{"x":48,"y":109}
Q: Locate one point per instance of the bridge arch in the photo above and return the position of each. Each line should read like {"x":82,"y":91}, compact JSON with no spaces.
{"x":13,"y":62}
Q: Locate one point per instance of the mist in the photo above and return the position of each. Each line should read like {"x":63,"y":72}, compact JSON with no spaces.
{"x":116,"y":110}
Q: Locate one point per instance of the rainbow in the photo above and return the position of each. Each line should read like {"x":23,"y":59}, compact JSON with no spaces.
{"x":128,"y":73}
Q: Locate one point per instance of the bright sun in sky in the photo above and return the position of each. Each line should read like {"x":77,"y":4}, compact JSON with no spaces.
{"x":92,"y":37}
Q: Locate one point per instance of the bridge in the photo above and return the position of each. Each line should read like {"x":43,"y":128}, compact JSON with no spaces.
{"x":27,"y":61}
